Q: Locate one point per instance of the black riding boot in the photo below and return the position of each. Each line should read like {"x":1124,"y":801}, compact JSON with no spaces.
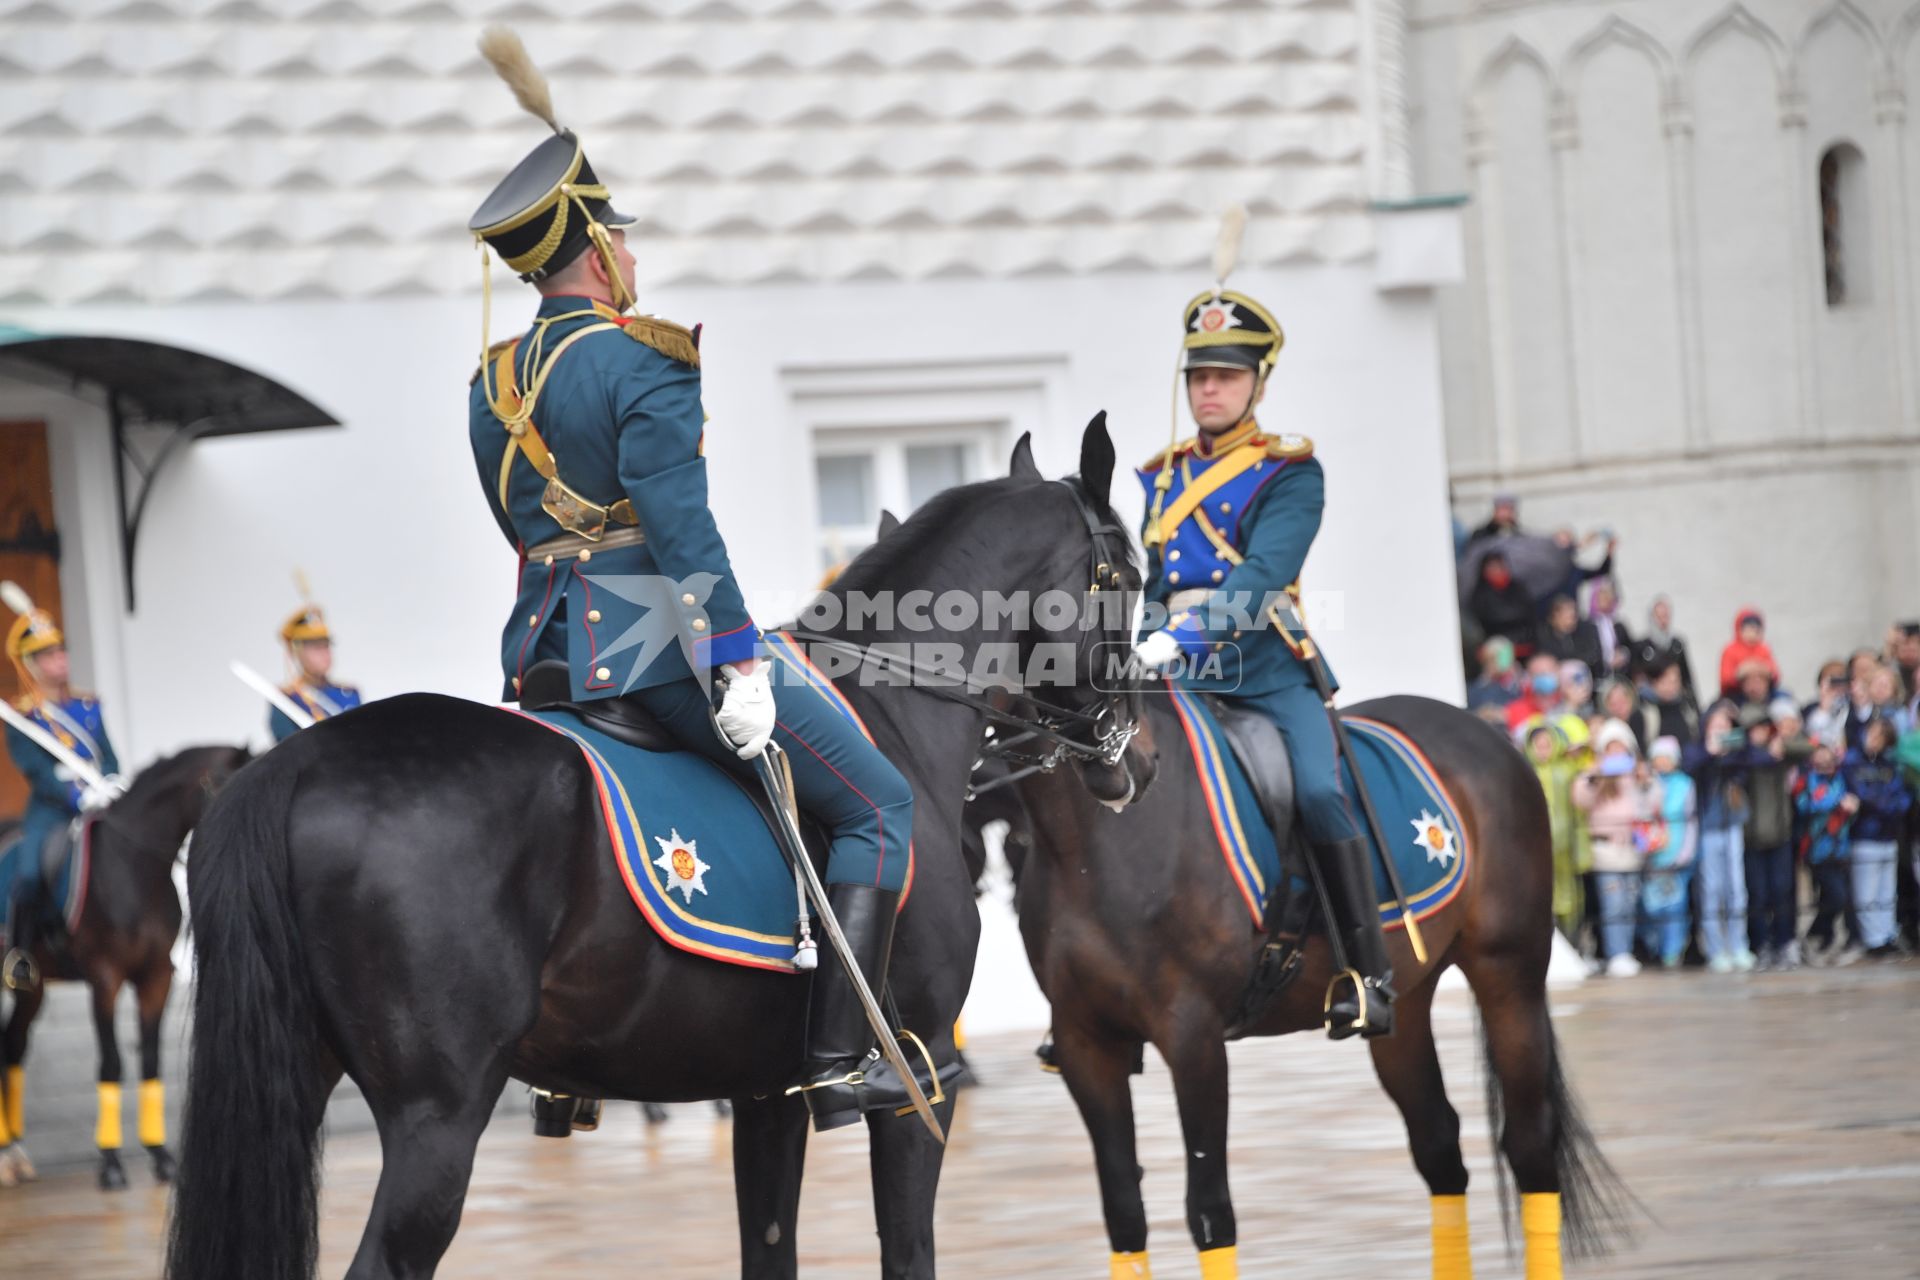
{"x":1364,"y":1005}
{"x":17,"y":969}
{"x":840,"y":1052}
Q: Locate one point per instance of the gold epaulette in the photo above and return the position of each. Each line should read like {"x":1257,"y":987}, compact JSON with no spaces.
{"x":1289,"y":445}
{"x":1159,"y":459}
{"x":24,"y":704}
{"x":664,"y":336}
{"x":492,"y":351}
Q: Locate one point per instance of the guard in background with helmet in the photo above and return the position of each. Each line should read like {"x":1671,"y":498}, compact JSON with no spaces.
{"x":310,"y":649}
{"x":38,"y":652}
{"x":1232,"y":513}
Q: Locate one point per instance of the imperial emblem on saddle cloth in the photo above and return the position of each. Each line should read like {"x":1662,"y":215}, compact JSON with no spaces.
{"x":1434,"y":837}
{"x":682,"y":864}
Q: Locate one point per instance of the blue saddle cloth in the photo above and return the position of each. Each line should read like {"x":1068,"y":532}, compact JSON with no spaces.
{"x":698,"y":858}
{"x":1420,"y":821}
{"x":65,"y":890}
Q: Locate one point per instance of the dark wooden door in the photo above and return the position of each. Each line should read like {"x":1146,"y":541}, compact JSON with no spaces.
{"x":29,"y":555}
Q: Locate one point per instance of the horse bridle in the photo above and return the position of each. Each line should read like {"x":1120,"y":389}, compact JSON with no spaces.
{"x":1044,"y":735}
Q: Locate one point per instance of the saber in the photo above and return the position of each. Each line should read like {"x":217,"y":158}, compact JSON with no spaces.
{"x":770,"y":766}
{"x":281,"y":702}
{"x":1291,"y":627}
{"x":89,"y":776}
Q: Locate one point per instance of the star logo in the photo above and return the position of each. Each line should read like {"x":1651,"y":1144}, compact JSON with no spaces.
{"x":1433,"y":837}
{"x":685,"y":871}
{"x":1215,"y":316}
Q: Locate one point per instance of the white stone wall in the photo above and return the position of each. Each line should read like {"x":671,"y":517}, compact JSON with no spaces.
{"x":1645,"y":340}
{"x":387,"y":519}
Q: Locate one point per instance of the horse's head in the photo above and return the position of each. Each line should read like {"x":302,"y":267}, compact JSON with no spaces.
{"x":177,"y":788}
{"x":1103,"y":691}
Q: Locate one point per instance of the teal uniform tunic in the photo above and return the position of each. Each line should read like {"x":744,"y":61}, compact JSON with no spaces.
{"x":53,"y":798}
{"x":622,"y":419}
{"x":1243,"y":544}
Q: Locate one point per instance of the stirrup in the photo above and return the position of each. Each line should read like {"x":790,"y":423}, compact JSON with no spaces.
{"x":1366,"y":992}
{"x":17,"y":958}
{"x":939,"y":1094}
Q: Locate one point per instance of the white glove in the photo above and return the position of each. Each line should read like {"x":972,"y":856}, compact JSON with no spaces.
{"x":94,"y":798}
{"x":1157,"y":650}
{"x":746,"y":710}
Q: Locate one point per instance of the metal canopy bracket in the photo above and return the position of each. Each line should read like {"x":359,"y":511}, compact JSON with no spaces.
{"x":186,"y":394}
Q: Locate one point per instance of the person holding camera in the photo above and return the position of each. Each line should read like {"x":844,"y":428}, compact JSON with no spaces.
{"x":1722,"y":807}
{"x":1622,"y":805}
{"x":1768,"y":759}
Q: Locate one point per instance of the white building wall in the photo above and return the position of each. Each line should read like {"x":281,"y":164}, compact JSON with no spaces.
{"x":1644,"y":341}
{"x":385,"y":515}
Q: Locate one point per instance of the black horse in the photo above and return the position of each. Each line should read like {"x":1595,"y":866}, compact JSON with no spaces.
{"x":1137,"y":933}
{"x":420,"y":894}
{"x":125,"y":934}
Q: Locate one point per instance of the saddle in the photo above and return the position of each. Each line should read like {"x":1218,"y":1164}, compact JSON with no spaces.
{"x":1292,"y":906}
{"x":548,"y":686}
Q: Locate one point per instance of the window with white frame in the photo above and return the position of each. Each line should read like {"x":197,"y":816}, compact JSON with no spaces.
{"x":887,"y":437}
{"x":859,"y":472}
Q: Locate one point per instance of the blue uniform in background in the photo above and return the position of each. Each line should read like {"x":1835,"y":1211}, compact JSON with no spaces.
{"x":54,"y":798}
{"x":1235,"y":528}
{"x":623,"y":573}
{"x":320,"y":701}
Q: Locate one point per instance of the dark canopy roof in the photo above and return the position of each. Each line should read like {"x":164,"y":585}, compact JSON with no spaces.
{"x":156,"y":383}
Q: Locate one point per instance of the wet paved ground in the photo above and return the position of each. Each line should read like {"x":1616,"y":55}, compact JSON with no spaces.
{"x":1771,"y":1123}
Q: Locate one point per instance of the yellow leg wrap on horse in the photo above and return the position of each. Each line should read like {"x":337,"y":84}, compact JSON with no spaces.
{"x":1540,"y":1220}
{"x":153,"y":1113}
{"x":6,"y":1129}
{"x":1220,"y":1264}
{"x":106,"y":1134}
{"x":1452,"y":1259}
{"x":1129,"y":1266}
{"x":14,"y":1123}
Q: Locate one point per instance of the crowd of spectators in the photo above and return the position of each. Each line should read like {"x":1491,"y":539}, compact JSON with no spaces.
{"x":1691,"y":822}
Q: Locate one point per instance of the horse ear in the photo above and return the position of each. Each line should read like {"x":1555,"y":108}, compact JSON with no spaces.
{"x":888,"y":523}
{"x":1096,"y":459}
{"x":1022,"y":466}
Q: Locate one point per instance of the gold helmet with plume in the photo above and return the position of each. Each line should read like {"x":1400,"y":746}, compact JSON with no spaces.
{"x":307,"y":623}
{"x":33,"y":631}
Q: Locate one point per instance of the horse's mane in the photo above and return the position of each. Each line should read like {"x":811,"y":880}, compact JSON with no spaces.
{"x":880,"y":563}
{"x":165,"y":772}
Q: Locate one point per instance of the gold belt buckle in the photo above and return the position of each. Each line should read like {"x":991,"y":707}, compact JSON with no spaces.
{"x":574,"y":513}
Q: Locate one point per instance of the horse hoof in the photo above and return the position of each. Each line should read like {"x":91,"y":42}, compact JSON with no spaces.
{"x":163,"y":1164}
{"x":112,"y":1176}
{"x":9,"y":1174}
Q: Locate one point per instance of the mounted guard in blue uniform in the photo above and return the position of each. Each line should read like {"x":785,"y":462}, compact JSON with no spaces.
{"x":587,"y":431}
{"x":56,"y":797}
{"x":310,"y":649}
{"x":1232,"y":513}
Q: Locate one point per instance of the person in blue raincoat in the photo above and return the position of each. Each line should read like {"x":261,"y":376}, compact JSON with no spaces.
{"x":588,"y":434}
{"x":56,"y":796}
{"x":1232,"y":513}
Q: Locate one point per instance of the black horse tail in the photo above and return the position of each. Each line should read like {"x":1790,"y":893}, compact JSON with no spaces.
{"x":1597,"y":1209}
{"x":245,"y":1205}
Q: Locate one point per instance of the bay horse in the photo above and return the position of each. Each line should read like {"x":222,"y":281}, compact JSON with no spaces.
{"x":421,"y":894}
{"x":1138,"y":934}
{"x":128,"y":923}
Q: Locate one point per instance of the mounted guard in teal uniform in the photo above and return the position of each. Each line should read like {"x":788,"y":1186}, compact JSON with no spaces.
{"x":312,"y":690}
{"x":1232,"y":513}
{"x":588,"y":435}
{"x":57,"y":795}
